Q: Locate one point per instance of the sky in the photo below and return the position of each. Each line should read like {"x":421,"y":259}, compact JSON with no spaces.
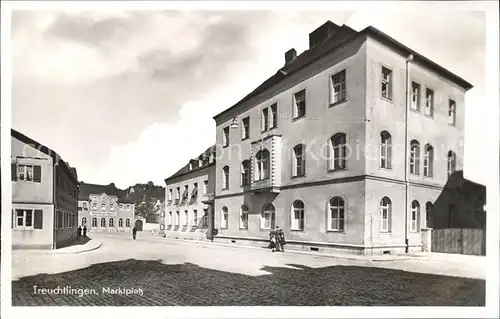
{"x":129,"y":97}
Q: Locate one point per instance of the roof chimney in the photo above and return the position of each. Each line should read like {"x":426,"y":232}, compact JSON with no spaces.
{"x":290,"y":55}
{"x":322,"y":33}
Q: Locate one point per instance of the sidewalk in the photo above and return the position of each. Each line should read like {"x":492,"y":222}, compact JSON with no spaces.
{"x":379,"y":258}
{"x":92,"y":244}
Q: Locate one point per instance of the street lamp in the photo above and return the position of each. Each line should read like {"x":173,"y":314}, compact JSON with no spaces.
{"x":408,"y":96}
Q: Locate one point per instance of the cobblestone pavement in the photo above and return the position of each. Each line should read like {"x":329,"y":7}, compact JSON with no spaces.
{"x":183,"y":274}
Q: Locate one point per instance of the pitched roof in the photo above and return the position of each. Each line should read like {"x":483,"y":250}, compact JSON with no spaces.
{"x":46,"y":150}
{"x":341,"y":36}
{"x":186,"y":169}
{"x":87,"y":189}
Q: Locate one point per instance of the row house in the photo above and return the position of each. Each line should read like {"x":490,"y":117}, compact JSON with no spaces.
{"x":347,"y":147}
{"x":105,"y":208}
{"x":190,"y":199}
{"x":44,"y":196}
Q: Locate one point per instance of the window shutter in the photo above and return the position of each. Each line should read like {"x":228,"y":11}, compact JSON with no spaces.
{"x":13,"y":171}
{"x":37,"y":175}
{"x":38,"y":219}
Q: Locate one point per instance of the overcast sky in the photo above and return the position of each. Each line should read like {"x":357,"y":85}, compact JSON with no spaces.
{"x":129,"y":97}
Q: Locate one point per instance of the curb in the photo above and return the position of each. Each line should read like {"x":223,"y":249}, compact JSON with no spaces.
{"x":55,"y":252}
{"x":298,"y":252}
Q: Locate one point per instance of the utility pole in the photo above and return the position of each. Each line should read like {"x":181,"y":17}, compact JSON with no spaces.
{"x":407,"y":104}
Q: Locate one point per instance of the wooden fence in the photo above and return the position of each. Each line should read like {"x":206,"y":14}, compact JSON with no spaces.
{"x":465,"y":241}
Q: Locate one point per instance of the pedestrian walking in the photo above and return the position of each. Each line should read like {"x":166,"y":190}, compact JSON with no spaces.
{"x":84,"y":231}
{"x":79,"y":232}
{"x":280,"y":234}
{"x":134,"y":232}
{"x":272,"y":240}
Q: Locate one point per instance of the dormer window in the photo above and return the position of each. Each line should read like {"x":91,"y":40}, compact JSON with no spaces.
{"x":190,"y":166}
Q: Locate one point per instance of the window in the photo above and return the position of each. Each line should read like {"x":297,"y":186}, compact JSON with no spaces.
{"x":185,"y":194}
{"x":205,"y":217}
{"x":111,"y":222}
{"x":103,"y":206}
{"x":336,"y":216}
{"x":24,"y":219}
{"x":94,"y":222}
{"x":170,"y":219}
{"x":85,"y":206}
{"x":94,"y":206}
{"x":451,"y":162}
{"x":268,"y":217}
{"x":415,"y":96}
{"x":385,"y":215}
{"x":186,"y":216}
{"x":120,"y":222}
{"x":386,"y":83}
{"x":194,"y":193}
{"x":299,"y":160}
{"x":224,"y":217}
{"x":178,"y":193}
{"x":205,"y":187}
{"x":225,"y":137}
{"x":245,"y":128}
{"x":385,"y":150}
{"x":129,"y":207}
{"x":452,"y":112}
{"x":225,"y":177}
{"x":262,"y":171}
{"x":103,"y":222}
{"x":170,"y":194}
{"x":338,"y":152}
{"x":190,"y":166}
{"x":429,"y":102}
{"x":111,"y":206}
{"x":299,"y":104}
{"x":428,"y":215}
{"x":297,"y":215}
{"x":195,"y":217}
{"x":178,"y":218}
{"x":265,"y":120}
{"x":244,"y":217}
{"x":338,"y":88}
{"x":414,"y":157}
{"x":245,"y":173}
{"x":274,"y":116}
{"x":415,"y":216}
{"x":84,"y":221}
{"x":127,"y":222}
{"x":428,"y":160}
{"x":30,"y":173}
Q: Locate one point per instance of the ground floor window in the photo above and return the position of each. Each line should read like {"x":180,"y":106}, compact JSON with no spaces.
{"x":336,"y":214}
{"x":127,"y":222}
{"x":298,"y":215}
{"x":120,"y":222}
{"x":84,"y":221}
{"x":244,"y":217}
{"x":28,"y":219}
{"x":103,"y":222}
{"x":111,"y":222}
{"x":268,"y":217}
{"x":205,"y":217}
{"x":94,"y":222}
{"x":224,"y":217}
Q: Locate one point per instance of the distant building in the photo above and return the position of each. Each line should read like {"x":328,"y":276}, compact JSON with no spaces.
{"x":44,"y":196}
{"x":190,"y":199}
{"x":105,"y":208}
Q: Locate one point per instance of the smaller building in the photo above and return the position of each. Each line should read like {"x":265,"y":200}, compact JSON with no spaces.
{"x":44,"y":196}
{"x":105,"y":208}
{"x":190,"y":199}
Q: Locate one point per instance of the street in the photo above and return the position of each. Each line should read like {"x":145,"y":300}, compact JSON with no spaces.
{"x":161,"y":272}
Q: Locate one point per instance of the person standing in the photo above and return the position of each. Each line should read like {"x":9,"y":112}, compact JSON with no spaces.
{"x":272,"y":240}
{"x":79,"y":232}
{"x":134,"y":232}
{"x":280,"y":239}
{"x":84,"y":231}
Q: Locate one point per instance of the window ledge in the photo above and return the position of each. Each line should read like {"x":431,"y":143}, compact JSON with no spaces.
{"x":272,"y":128}
{"x":390,"y":100}
{"x":298,"y":118}
{"x":334,"y":170}
{"x":297,"y":230}
{"x":245,"y":138}
{"x":335,"y":231}
{"x":388,"y":169}
{"x":243,"y":228}
{"x":225,"y":146}
{"x":338,"y":102}
{"x":429,"y":116}
{"x":385,"y":233}
{"x":298,"y":176}
{"x":417,"y":111}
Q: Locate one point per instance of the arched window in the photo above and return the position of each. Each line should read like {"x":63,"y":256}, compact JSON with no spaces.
{"x":103,"y":222}
{"x":268,"y":217}
{"x":297,"y":215}
{"x":414,"y":157}
{"x":428,"y":160}
{"x":299,"y":160}
{"x":336,"y":215}
{"x":245,"y":173}
{"x":120,"y":222}
{"x":94,"y":222}
{"x":415,"y":216}
{"x":244,"y":217}
{"x":428,"y":214}
{"x":338,"y":152}
{"x":385,"y":150}
{"x":451,"y":162}
{"x":262,"y":165}
{"x":127,"y":222}
{"x":225,"y":177}
{"x":111,"y":222}
{"x":385,"y":214}
{"x":224,"y":217}
{"x":84,"y":221}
